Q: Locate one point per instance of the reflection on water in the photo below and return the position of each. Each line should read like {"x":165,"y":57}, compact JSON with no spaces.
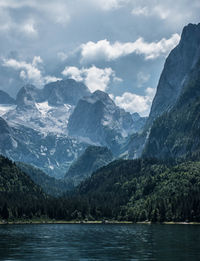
{"x":99,"y":242}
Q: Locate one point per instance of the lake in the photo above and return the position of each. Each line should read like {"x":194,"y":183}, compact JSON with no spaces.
{"x":99,"y":242}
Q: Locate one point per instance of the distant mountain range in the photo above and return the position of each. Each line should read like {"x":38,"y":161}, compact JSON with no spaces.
{"x":51,"y":127}
{"x":77,"y":135}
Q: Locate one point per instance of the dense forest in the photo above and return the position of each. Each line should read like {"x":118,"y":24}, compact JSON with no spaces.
{"x":50,"y":185}
{"x":133,"y":190}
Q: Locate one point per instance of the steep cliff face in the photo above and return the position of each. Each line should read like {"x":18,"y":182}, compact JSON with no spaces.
{"x":64,"y":92}
{"x":176,"y":71}
{"x":7,"y":141}
{"x":27,"y":96}
{"x":98,"y":119}
{"x":179,"y":66}
{"x":176,"y":133}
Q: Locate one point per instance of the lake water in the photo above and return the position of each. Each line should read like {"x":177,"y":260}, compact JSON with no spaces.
{"x":99,"y":242}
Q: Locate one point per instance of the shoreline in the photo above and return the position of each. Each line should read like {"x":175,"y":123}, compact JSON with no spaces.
{"x":62,"y":222}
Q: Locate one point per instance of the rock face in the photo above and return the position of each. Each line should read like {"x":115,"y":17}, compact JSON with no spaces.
{"x":139,"y":122}
{"x":5,"y":98}
{"x":50,"y":152}
{"x":47,"y":109}
{"x":176,"y":134}
{"x":6,"y":140}
{"x":178,"y":65}
{"x":64,"y":92}
{"x":27,"y":96}
{"x":37,"y":131}
{"x":51,"y":127}
{"x":98,"y":119}
{"x":175,"y":76}
{"x":92,"y":159}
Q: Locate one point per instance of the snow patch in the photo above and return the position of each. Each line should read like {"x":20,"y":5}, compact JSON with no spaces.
{"x":4,"y":108}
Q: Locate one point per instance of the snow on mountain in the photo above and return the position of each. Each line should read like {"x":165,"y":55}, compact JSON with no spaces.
{"x":46,"y":110}
{"x":5,"y":108}
{"x":41,"y":117}
{"x":50,"y":127}
{"x":34,"y":130}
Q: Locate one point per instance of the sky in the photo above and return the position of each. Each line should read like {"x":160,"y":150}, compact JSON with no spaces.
{"x":117,"y":46}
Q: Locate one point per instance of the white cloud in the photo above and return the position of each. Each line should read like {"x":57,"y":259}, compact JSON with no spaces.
{"x":140,"y":11}
{"x":142,"y":78}
{"x":48,"y":79}
{"x":117,"y":79}
{"x":29,"y":71}
{"x":44,"y":11}
{"x":98,"y":79}
{"x":37,"y":60}
{"x":136,"y":103}
{"x":94,"y":78}
{"x":162,"y":12}
{"x":62,"y":56}
{"x":158,"y":10}
{"x":104,"y":50}
{"x":107,"y":5}
{"x":74,"y":73}
{"x":29,"y":28}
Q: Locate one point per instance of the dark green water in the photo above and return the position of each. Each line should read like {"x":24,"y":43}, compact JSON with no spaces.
{"x":99,"y":242}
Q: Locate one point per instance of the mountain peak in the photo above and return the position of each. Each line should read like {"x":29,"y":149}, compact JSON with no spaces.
{"x":5,"y":98}
{"x":65,"y":92}
{"x":27,"y":95}
{"x":100,"y":96}
{"x":178,"y":65}
{"x":191,"y":29}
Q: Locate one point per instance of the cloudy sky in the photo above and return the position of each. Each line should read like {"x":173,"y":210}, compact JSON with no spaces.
{"x":117,"y":46}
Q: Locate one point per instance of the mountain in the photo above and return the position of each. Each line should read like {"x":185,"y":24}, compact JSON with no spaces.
{"x":48,"y":109}
{"x":22,"y":200}
{"x":35,"y":130}
{"x":28,"y":95}
{"x":89,"y":161}
{"x":176,"y":74}
{"x":177,"y":133}
{"x":14,"y":180}
{"x":64,"y":92}
{"x":5,"y":98}
{"x":178,"y":65}
{"x":138,"y":122}
{"x":6,"y":103}
{"x":51,"y":152}
{"x":98,"y":119}
{"x":19,"y":195}
{"x":142,"y":190}
{"x":50,"y":185}
{"x":55,"y":93}
{"x":51,"y":127}
{"x":6,"y":137}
